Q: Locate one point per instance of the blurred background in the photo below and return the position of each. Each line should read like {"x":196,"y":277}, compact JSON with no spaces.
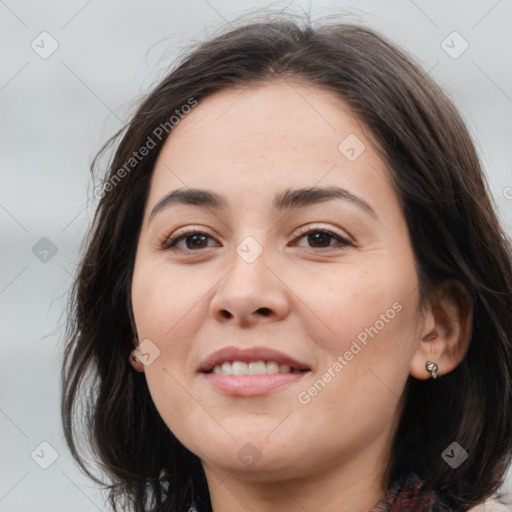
{"x":70,"y":76}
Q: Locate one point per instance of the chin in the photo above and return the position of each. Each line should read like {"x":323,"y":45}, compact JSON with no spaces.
{"x":254,"y":457}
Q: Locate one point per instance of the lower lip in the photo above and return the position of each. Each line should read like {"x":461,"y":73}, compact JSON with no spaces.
{"x":247,"y":385}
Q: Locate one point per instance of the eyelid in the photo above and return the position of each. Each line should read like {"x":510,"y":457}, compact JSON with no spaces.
{"x":318,"y":227}
{"x":188,"y":230}
{"x":170,"y":241}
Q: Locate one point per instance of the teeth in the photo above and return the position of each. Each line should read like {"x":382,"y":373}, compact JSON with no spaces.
{"x":252,"y":368}
{"x":257,"y":368}
{"x":272,"y":367}
{"x":239,"y":368}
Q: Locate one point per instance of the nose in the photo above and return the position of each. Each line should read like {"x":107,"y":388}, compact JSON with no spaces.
{"x":250,"y":293}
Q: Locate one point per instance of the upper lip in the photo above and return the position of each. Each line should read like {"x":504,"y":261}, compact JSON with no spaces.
{"x":247,"y":355}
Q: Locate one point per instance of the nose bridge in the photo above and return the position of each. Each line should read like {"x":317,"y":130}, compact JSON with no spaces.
{"x":252,"y":249}
{"x":249,"y":268}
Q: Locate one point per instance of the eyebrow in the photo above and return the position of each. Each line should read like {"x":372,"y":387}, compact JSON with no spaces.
{"x":286,"y":200}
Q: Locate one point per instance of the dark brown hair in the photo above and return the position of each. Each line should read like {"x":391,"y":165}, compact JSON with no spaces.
{"x":453,"y":227}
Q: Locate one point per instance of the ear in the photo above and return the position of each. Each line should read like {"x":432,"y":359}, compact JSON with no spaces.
{"x":446,"y":333}
{"x":134,"y":357}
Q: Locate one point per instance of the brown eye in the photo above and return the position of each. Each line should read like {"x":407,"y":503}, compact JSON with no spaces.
{"x":196,"y":240}
{"x":321,"y":239}
{"x":193,"y":240}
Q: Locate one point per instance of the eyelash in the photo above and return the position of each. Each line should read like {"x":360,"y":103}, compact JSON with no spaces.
{"x":170,"y":242}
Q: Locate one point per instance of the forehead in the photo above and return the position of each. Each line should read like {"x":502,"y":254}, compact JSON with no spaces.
{"x":268,"y":137}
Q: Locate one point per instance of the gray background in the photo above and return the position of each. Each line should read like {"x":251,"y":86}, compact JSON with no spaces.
{"x":57,"y":111}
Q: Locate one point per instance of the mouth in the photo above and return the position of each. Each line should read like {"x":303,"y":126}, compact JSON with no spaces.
{"x":253,"y":368}
{"x":251,"y":371}
{"x":251,"y":361}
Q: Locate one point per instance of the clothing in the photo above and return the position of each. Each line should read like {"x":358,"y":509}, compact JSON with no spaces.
{"x":405,"y":498}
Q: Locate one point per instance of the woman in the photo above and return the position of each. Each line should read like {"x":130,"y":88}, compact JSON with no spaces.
{"x":296,"y":293}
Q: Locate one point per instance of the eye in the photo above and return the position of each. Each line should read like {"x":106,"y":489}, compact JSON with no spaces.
{"x":322,"y":238}
{"x":193,"y":240}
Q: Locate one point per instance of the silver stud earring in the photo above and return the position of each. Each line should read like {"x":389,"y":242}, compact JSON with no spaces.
{"x":432,"y":368}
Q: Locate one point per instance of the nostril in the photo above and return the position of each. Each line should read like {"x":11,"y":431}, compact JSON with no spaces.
{"x":264,"y":311}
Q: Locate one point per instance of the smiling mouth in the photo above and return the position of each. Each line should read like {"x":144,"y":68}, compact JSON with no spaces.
{"x":238,"y":368}
{"x":254,"y":378}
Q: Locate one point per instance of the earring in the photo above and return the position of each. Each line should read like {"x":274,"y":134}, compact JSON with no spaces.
{"x":432,"y":368}
{"x":134,"y":357}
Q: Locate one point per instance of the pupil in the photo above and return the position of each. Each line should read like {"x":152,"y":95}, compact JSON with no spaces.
{"x":317,"y":238}
{"x":197,"y":242}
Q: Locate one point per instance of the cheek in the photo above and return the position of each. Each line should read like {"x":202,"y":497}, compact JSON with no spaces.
{"x":163,"y":308}
{"x":364,"y":323}
{"x":163,"y":301}
{"x":357,"y":303}
{"x":368,"y":320}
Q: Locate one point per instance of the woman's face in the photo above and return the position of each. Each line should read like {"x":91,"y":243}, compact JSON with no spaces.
{"x":322,"y":281}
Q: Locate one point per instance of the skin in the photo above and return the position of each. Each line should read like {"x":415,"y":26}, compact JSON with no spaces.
{"x":330,"y":454}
